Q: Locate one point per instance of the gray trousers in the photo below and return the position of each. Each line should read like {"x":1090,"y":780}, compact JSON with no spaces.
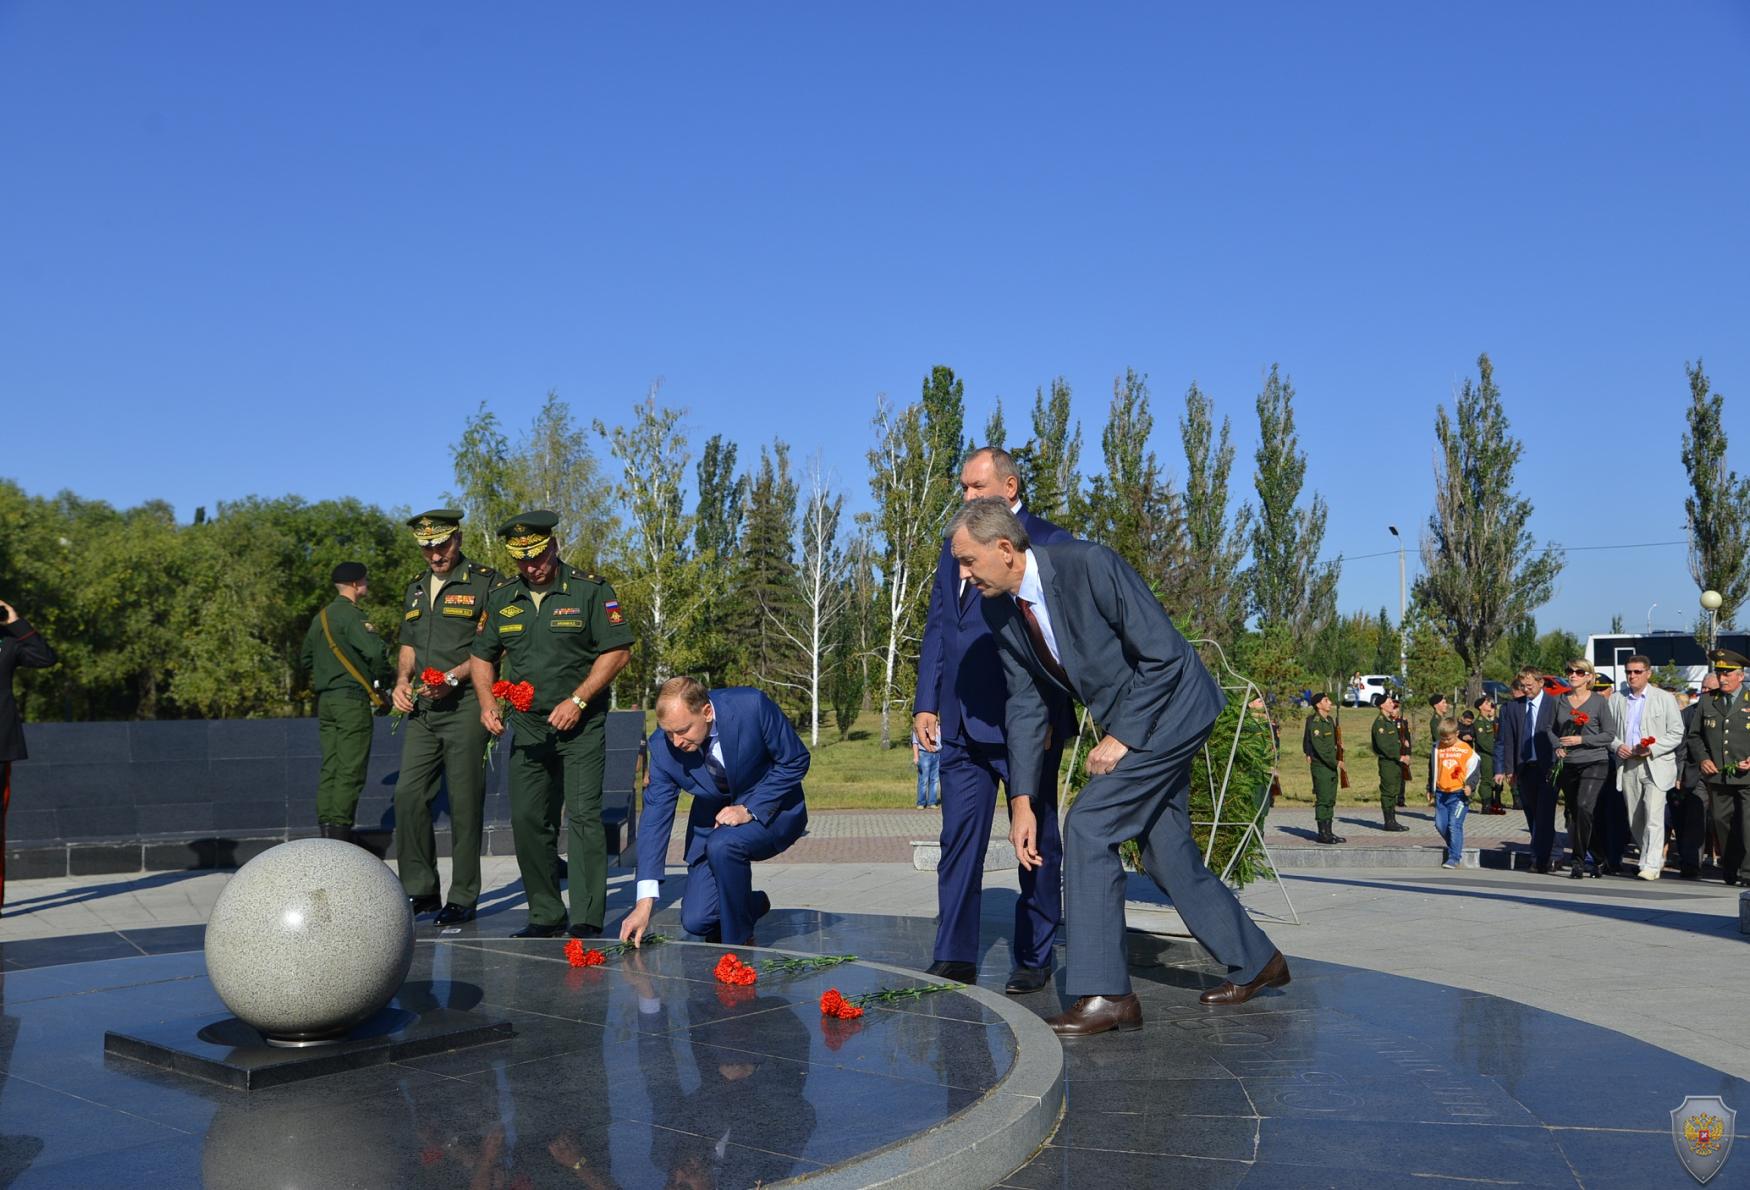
{"x":1146,"y":797}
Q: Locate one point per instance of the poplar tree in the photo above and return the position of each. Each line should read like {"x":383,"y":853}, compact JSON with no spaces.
{"x":1481,"y":572}
{"x":1214,"y":545}
{"x":1049,"y":479}
{"x":1718,"y":504}
{"x":1130,"y":508}
{"x":1287,"y":584}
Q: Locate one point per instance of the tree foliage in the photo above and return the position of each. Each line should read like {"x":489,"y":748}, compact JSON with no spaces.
{"x":1481,"y":572}
{"x":1287,"y":584}
{"x":1718,"y":504}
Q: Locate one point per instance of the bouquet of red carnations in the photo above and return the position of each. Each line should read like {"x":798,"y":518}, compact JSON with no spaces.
{"x":430,"y":678}
{"x":518,"y":696}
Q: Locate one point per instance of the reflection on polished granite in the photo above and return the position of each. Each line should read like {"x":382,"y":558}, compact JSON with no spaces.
{"x":646,"y":1073}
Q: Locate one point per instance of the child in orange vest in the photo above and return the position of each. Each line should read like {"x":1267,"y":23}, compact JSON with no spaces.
{"x":1455,"y":779}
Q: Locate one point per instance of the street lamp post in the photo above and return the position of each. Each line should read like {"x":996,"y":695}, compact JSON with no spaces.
{"x":1710,"y":602}
{"x":1403,"y":641}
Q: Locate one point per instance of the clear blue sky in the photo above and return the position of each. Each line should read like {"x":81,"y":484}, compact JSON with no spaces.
{"x":269,"y":249}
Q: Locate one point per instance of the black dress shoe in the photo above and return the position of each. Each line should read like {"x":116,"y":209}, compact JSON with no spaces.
{"x":1026,"y":979}
{"x":534,"y":931}
{"x":585,"y":931}
{"x":1541,"y":869}
{"x":762,"y":905}
{"x":454,"y":915}
{"x":429,"y":903}
{"x":1098,"y":1014}
{"x":1274,"y":975}
{"x":1577,"y":872}
{"x":955,"y":972}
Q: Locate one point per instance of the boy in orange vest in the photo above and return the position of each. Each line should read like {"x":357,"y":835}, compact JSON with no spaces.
{"x":1455,"y":779}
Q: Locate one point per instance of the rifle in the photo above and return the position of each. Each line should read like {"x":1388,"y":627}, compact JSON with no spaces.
{"x":1342,"y":769}
{"x":1404,"y":746}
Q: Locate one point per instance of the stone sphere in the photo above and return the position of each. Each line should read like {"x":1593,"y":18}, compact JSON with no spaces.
{"x":309,"y":939}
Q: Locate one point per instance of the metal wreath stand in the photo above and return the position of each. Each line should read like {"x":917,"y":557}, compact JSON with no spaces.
{"x":1230,"y":681}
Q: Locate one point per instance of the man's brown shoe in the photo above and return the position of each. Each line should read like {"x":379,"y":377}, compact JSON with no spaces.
{"x":1274,"y":975}
{"x":1096,"y":1014}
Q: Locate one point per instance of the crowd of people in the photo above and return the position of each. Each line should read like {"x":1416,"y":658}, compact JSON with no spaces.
{"x":1646,"y":778}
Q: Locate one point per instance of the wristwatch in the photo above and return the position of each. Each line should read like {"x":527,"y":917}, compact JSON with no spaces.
{"x":581,"y":705}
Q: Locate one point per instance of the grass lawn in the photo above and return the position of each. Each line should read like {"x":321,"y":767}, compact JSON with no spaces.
{"x":857,"y":774}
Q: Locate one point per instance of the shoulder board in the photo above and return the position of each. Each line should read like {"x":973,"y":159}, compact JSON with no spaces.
{"x":501,"y":584}
{"x":587,"y":576}
{"x":486,"y":570}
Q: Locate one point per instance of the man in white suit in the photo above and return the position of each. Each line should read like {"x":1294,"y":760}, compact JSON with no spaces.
{"x":1645,"y":771}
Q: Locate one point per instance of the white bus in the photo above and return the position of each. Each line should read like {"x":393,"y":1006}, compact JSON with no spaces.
{"x":1607,"y":652}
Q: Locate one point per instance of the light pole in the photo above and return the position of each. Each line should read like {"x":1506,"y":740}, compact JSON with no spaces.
{"x":1650,"y":617}
{"x":1403,"y":642}
{"x":1710,"y":602}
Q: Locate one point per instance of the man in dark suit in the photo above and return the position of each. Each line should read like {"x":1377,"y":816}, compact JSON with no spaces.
{"x":1075,"y":617}
{"x":1689,"y":806}
{"x":743,"y":763}
{"x":1523,"y":751}
{"x":19,"y":645}
{"x":959,"y":711}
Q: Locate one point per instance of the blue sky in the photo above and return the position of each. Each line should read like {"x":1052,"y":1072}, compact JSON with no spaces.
{"x":268,"y":249}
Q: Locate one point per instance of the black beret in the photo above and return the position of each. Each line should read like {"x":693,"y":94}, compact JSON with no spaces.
{"x":348,"y":572}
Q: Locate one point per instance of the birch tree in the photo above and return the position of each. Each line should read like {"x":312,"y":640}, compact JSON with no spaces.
{"x":822,"y":597}
{"x":657,"y":577}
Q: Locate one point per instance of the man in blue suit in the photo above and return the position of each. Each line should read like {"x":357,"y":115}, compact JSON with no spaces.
{"x":737,"y":755}
{"x":1523,"y":752}
{"x":959,"y":711}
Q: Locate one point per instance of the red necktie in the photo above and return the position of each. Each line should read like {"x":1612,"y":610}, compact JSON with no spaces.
{"x":1037,"y":636}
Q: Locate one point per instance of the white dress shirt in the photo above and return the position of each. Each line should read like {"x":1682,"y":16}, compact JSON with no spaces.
{"x":1033,"y":591}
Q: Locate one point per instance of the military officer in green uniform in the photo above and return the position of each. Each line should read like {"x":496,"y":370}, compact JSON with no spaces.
{"x":1719,"y":743}
{"x":562,"y":631}
{"x":1442,"y":710}
{"x":445,"y":738}
{"x":348,"y":666}
{"x":1319,"y":742}
{"x":1485,"y":728}
{"x":1387,"y":753}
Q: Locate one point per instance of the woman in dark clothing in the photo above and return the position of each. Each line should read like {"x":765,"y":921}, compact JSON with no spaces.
{"x":19,"y":645}
{"x":1580,"y":735}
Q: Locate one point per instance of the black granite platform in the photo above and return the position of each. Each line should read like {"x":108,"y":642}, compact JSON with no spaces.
{"x":648,"y":1073}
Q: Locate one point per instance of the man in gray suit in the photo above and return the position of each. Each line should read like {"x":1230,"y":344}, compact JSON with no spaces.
{"x":1072,"y":616}
{"x":1645,"y":771}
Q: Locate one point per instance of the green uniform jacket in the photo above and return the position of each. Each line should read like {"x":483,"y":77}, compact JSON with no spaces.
{"x":354,"y":637}
{"x":1720,"y":732}
{"x":553,"y":646}
{"x":443,"y":637}
{"x":1485,"y":746}
{"x":1385,"y":739}
{"x":1320,"y":742}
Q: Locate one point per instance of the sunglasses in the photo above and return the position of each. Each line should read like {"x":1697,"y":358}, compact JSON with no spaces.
{"x":1578,"y":673}
{"x":1635,"y":671}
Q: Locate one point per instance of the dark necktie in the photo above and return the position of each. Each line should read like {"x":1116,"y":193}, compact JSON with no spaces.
{"x":719,"y":774}
{"x":1037,"y":636}
{"x":1527,"y":746}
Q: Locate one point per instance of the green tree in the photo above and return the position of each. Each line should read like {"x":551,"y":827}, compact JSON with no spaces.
{"x":1048,"y":462}
{"x":1435,"y":666}
{"x":486,"y":487}
{"x":657,"y":582}
{"x":1481,"y":572}
{"x":720,"y":508}
{"x":1271,"y":659}
{"x":913,"y":476}
{"x":1287,"y":584}
{"x":553,"y":468}
{"x":1718,"y":504}
{"x":765,"y":582}
{"x":1385,"y":648}
{"x":995,"y":432}
{"x":1556,"y":648}
{"x":1130,"y":509}
{"x":1215,"y":544}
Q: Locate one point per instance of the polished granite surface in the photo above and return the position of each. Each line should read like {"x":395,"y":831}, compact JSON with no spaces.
{"x":648,"y":1073}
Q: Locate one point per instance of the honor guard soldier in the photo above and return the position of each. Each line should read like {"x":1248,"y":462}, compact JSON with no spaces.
{"x":1319,"y":742}
{"x":445,"y":739}
{"x":1484,"y":729}
{"x":564,"y":633}
{"x":1442,"y":709}
{"x":1719,"y":743}
{"x":348,"y":666}
{"x":1386,"y":750}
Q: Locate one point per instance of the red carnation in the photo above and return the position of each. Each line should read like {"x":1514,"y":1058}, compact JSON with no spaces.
{"x":501,"y":690}
{"x":1581,"y":718}
{"x":834,"y":1005}
{"x":433,"y":678}
{"x":1647,"y":741}
{"x":578,"y":956}
{"x":731,"y":970}
{"x":522,"y":696}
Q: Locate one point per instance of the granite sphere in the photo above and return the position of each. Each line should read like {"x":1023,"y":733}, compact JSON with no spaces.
{"x":309,"y":939}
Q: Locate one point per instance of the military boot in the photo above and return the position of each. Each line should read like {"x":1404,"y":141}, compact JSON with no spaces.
{"x":1392,"y":823}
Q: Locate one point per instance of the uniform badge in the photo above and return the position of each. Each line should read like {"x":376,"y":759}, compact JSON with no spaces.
{"x":461,"y":599}
{"x":568,"y":611}
{"x":512,"y":610}
{"x":615,"y":615}
{"x":1702,"y":1130}
{"x":412,"y":614}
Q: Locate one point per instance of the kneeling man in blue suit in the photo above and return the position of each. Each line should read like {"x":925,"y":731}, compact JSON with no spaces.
{"x":737,"y":755}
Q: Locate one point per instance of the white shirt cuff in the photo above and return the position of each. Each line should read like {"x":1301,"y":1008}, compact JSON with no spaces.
{"x":648,"y":888}
{"x":648,"y":1006}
